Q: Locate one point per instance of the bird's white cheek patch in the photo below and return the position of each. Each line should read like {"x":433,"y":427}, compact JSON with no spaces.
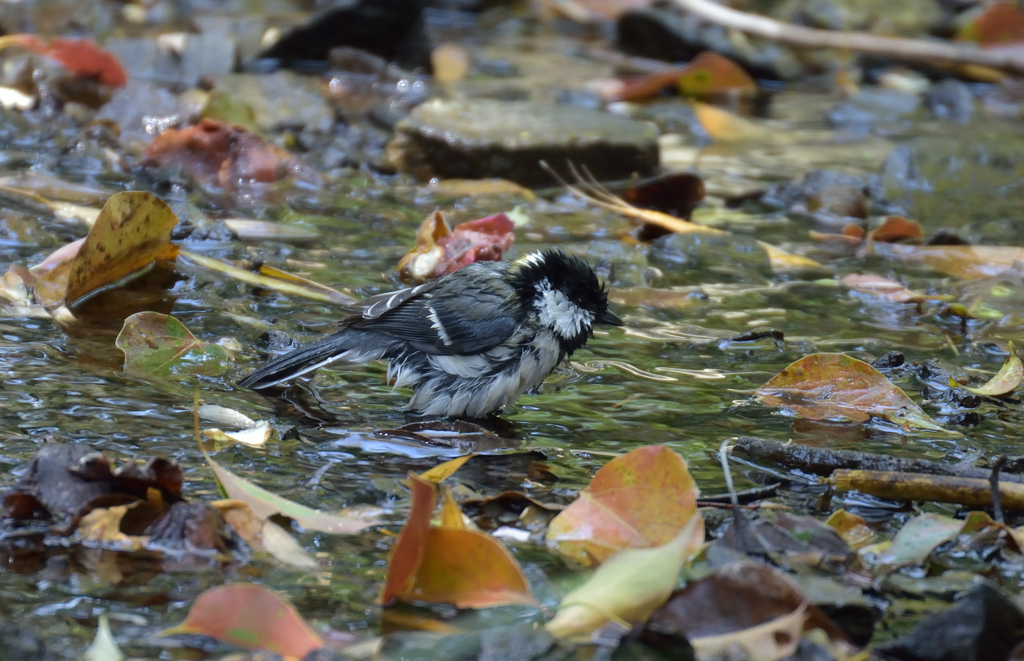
{"x":560,"y":314}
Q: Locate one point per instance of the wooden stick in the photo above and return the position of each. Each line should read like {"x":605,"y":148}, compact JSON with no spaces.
{"x":862,"y":42}
{"x":932,"y":488}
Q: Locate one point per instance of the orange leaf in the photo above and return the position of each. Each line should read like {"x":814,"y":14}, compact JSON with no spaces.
{"x":407,"y":553}
{"x":641,"y":499}
{"x":81,"y":57}
{"x":710,"y":73}
{"x":896,"y":228}
{"x":969,"y":262}
{"x":1001,"y":23}
{"x":462,"y":567}
{"x":250,"y":616}
{"x":469,"y":569}
{"x":825,"y":386}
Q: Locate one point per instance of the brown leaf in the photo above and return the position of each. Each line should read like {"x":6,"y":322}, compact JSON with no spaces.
{"x":884,"y":288}
{"x":676,"y":194}
{"x":440,"y":250}
{"x":896,"y":228}
{"x":81,"y":57}
{"x":826,"y":386}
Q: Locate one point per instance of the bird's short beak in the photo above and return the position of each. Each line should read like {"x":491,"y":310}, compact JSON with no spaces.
{"x":609,"y":318}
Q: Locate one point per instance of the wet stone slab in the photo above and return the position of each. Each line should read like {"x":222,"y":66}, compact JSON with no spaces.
{"x":477,"y":139}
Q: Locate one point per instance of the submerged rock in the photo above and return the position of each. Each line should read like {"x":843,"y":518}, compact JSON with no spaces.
{"x":950,"y":99}
{"x":281,"y":99}
{"x":507,"y":139}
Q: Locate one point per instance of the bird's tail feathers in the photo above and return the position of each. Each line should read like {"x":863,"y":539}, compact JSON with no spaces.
{"x":345,"y":345}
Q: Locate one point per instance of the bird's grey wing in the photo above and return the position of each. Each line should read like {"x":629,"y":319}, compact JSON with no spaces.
{"x":375,"y":306}
{"x":467,"y":312}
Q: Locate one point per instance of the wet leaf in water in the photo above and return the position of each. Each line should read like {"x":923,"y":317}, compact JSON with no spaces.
{"x":918,"y":538}
{"x":640,"y":499}
{"x":1005,"y":380}
{"x":440,"y":250}
{"x":884,"y":288}
{"x":255,"y":436}
{"x":709,"y":74}
{"x":104,"y":647}
{"x":676,"y":194}
{"x":742,"y":607}
{"x":250,"y":616}
{"x":466,"y":568}
{"x":1000,"y":23}
{"x":81,"y":57}
{"x":442,"y":472}
{"x":265,"y":504}
{"x":724,"y":126}
{"x":968,"y":262}
{"x":853,"y":529}
{"x":628,"y":587}
{"x":155,"y":343}
{"x":896,"y":228}
{"x":827,"y":386}
{"x":264,"y":535}
{"x":103,"y":526}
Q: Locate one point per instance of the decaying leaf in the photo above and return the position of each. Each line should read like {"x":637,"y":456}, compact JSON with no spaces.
{"x":250,"y":616}
{"x":155,"y":343}
{"x":81,"y":57}
{"x":466,"y":568}
{"x":264,"y":535}
{"x":1001,"y":23}
{"x":627,"y":588}
{"x":852,"y":528}
{"x":440,"y":250}
{"x":641,"y":499}
{"x":743,"y":608}
{"x":255,"y":436}
{"x":883,"y":288}
{"x":918,"y":537}
{"x":708,"y":74}
{"x":1005,"y":380}
{"x":828,"y":386}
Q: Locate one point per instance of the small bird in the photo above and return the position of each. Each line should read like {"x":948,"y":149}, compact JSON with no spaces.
{"x":470,"y":342}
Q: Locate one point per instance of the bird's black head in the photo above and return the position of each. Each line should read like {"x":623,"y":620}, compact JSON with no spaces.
{"x":565,"y":294}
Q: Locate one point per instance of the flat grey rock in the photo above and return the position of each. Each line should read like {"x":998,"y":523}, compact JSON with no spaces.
{"x":479,"y":139}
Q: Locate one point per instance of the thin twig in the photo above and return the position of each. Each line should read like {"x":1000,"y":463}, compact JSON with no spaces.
{"x":861,"y":42}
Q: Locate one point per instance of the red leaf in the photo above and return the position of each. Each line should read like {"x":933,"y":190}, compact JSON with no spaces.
{"x":250,"y":616}
{"x":407,"y":553}
{"x":81,"y":57}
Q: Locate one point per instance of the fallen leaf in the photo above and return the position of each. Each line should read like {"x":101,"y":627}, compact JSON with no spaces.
{"x":264,"y":535}
{"x":103,"y":526}
{"x":131,"y":232}
{"x":104,"y":647}
{"x":641,"y":499}
{"x":81,"y":57}
{"x":896,"y":228}
{"x":1005,"y":380}
{"x":918,"y":537}
{"x":724,"y":126}
{"x":442,"y":472}
{"x":440,"y":250}
{"x":250,"y":616}
{"x":853,"y":529}
{"x":466,"y":568}
{"x":826,"y":386}
{"x":265,"y":504}
{"x":742,"y":610}
{"x":676,"y":194}
{"x":155,"y":343}
{"x":285,"y":283}
{"x":255,"y":436}
{"x":223,"y":155}
{"x":710,"y":74}
{"x":1000,"y":23}
{"x":968,"y":262}
{"x":880,"y":287}
{"x":627,"y":588}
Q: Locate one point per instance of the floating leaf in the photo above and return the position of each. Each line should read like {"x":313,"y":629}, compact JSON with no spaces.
{"x":853,"y":529}
{"x":918,"y":538}
{"x":709,"y":74}
{"x":250,"y":616}
{"x":627,"y":588}
{"x":466,"y":568}
{"x":442,"y":472}
{"x":132,"y":231}
{"x":265,"y":504}
{"x":264,"y":535}
{"x":81,"y":57}
{"x":255,"y":436}
{"x":884,"y":288}
{"x":153,"y":343}
{"x":742,"y":610}
{"x":1005,"y":380}
{"x":676,"y":194}
{"x":968,"y":262}
{"x":724,"y":126}
{"x":826,"y":386}
{"x":896,"y":228}
{"x":640,"y":499}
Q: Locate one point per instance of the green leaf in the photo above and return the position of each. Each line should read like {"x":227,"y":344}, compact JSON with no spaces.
{"x":154,"y":343}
